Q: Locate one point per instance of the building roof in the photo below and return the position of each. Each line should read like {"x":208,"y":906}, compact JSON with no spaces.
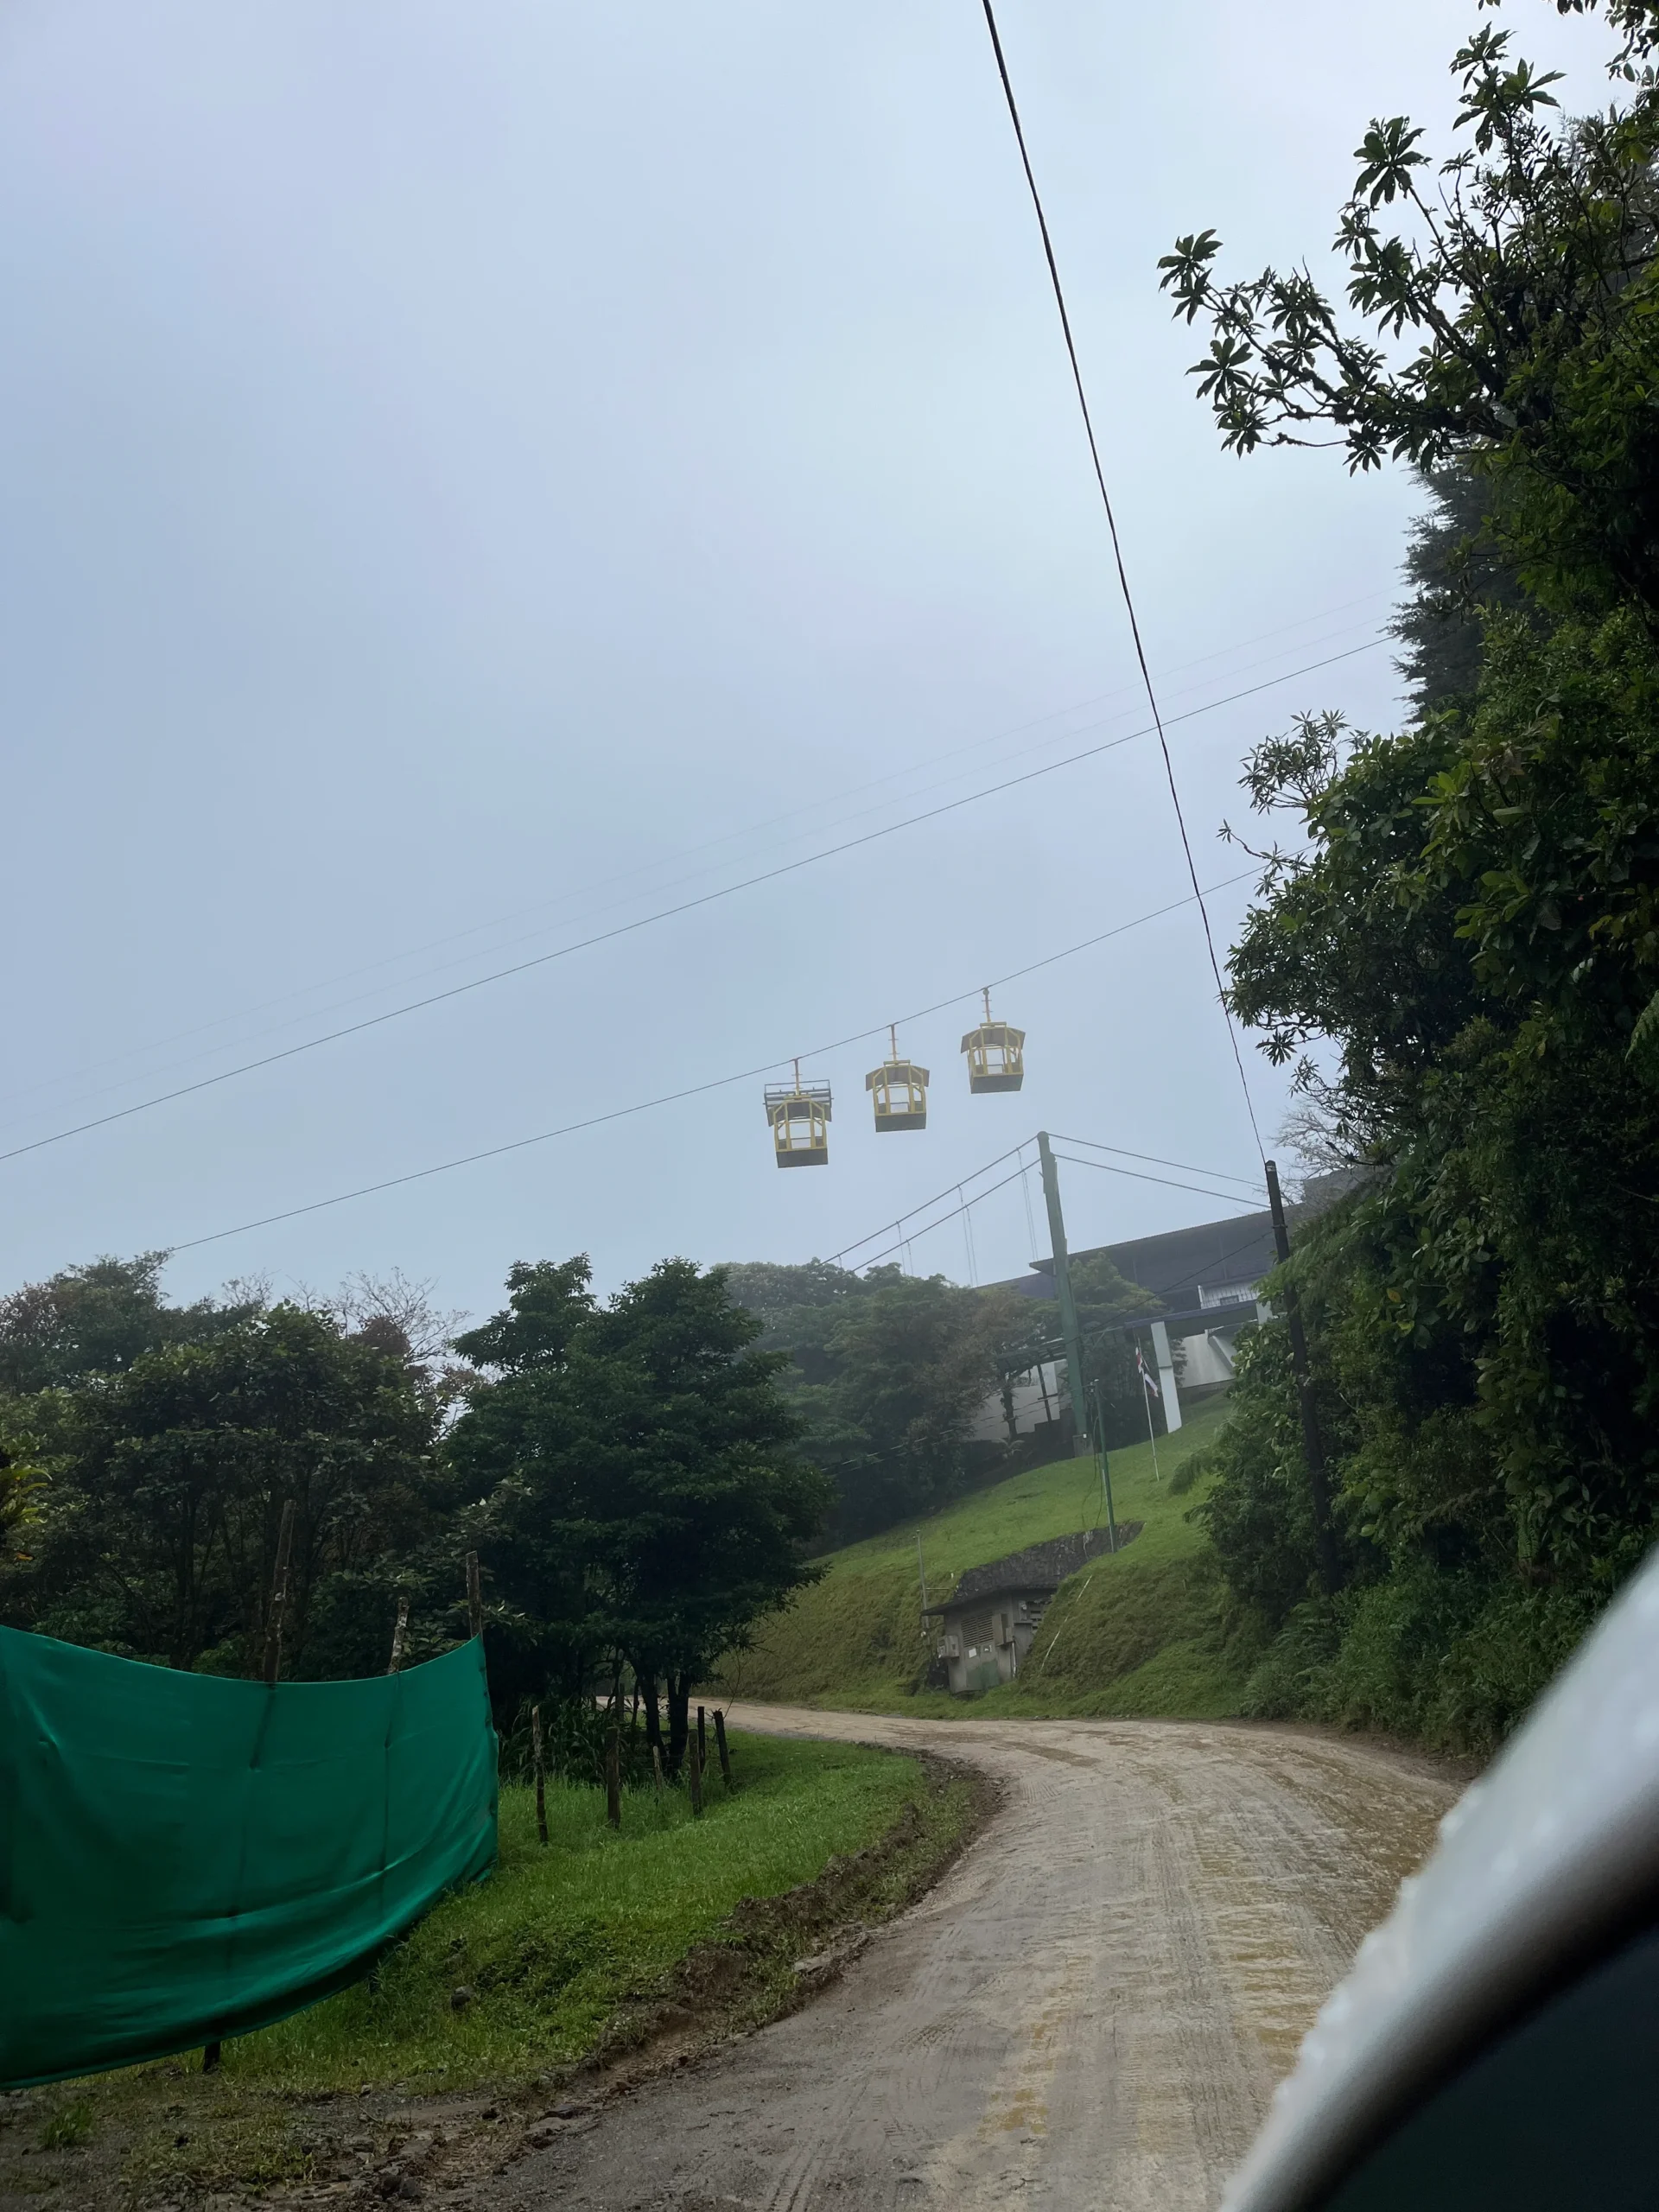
{"x":1040,"y":1567}
{"x":1178,"y":1264}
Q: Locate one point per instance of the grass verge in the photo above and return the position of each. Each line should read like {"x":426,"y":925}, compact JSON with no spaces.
{"x":1134,"y":1634}
{"x":576,"y":1962}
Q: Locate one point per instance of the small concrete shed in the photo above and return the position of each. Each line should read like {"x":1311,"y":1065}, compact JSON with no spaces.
{"x":987,"y":1626}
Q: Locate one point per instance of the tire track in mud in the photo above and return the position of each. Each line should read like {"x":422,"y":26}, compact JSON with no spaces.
{"x":1091,"y":2007}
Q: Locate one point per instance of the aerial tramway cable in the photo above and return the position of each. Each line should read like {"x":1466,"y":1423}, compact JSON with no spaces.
{"x":691,"y":1090}
{"x":663,"y":914}
{"x":1117,"y":552}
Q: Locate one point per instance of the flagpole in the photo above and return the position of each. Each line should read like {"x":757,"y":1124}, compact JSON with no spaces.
{"x":1146,"y":1399}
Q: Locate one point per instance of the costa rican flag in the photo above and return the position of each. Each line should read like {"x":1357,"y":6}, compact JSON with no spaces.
{"x":1140,"y":1369}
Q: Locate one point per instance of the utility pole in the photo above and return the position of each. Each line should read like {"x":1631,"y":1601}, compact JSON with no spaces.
{"x":1318,"y":1482}
{"x":1080,"y":1442}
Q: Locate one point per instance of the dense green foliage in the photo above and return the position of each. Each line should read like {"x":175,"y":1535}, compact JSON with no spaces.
{"x":887,"y":1372}
{"x":161,"y":1488}
{"x":1469,"y":915}
{"x":638,"y":1500}
{"x":626,"y":1473}
{"x":1139,"y":1633}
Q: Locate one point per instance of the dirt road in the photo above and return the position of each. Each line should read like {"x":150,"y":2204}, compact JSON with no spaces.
{"x":1091,"y":2009}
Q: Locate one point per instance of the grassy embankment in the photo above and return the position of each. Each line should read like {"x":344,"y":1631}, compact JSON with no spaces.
{"x":1136,"y":1634}
{"x":563,"y":1952}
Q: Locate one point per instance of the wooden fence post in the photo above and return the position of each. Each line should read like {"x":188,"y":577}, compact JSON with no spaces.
{"x":474,"y":1597}
{"x":720,"y":1745}
{"x":397,"y":1635}
{"x":657,"y":1769}
{"x":279,"y":1594}
{"x":702,"y":1742}
{"x":694,"y":1775}
{"x":541,"y":1771}
{"x":614,"y":1782}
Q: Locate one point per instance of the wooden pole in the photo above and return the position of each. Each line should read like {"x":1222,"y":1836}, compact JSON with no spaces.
{"x":656,"y":1767}
{"x":474,"y":1597}
{"x":397,"y":1635}
{"x":614,"y":1782}
{"x":279,"y":1595}
{"x":1318,"y":1484}
{"x":694,"y":1772}
{"x":538,"y":1753}
{"x":702,"y":1742}
{"x":720,"y":1745}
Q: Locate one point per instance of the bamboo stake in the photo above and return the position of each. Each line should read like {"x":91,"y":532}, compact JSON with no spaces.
{"x":397,"y":1635}
{"x":474,"y":1597}
{"x":694,"y":1775}
{"x":279,"y":1595}
{"x":541,"y":1771}
{"x":720,"y":1745}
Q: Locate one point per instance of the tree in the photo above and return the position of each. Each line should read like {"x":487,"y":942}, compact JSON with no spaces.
{"x":1523,"y":281}
{"x":639,"y":1498}
{"x":96,"y":1320}
{"x":1104,"y":1297}
{"x":1454,"y":569}
{"x":156,"y":1534}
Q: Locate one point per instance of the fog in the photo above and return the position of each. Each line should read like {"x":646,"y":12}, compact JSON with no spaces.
{"x":476,"y":478}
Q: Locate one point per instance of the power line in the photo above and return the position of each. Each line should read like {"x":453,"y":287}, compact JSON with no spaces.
{"x":695,"y":1090}
{"x":1216,"y":1174}
{"x":750,"y":830}
{"x":1227,"y":1197}
{"x":1117,"y":553}
{"x":663,"y":914}
{"x":939,"y":1220}
{"x":938,"y":1197}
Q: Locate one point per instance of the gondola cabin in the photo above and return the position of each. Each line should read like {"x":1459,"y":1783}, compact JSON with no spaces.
{"x":899,"y":1091}
{"x":996,"y":1055}
{"x":800,"y":1115}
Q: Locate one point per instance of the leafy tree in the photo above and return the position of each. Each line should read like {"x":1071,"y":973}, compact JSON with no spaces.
{"x":156,"y":1535}
{"x":96,"y":1320}
{"x":1104,"y":1296}
{"x":1454,"y":568}
{"x":1519,"y":296}
{"x":889,"y":1372}
{"x":639,"y":1498}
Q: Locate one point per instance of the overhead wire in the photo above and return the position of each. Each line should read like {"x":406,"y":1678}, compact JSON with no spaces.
{"x":1117,"y":553}
{"x":1216,"y":1174}
{"x":939,"y":1221}
{"x":584,"y":891}
{"x":645,"y":921}
{"x":1227,"y":1197}
{"x":693,"y":1091}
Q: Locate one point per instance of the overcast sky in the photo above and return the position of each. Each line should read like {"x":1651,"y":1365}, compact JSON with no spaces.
{"x":477,"y":475}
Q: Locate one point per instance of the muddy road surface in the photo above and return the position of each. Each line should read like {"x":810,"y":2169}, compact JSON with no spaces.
{"x":1091,"y":2010}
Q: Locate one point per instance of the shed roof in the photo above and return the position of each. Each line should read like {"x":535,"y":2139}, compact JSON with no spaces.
{"x":1040,"y":1567}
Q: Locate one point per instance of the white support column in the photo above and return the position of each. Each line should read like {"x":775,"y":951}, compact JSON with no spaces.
{"x":1166,"y":1376}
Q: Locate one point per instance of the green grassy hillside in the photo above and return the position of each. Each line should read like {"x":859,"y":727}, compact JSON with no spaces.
{"x":1134,"y":1634}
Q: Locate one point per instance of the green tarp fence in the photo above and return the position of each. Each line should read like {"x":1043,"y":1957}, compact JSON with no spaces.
{"x":183,"y":1858}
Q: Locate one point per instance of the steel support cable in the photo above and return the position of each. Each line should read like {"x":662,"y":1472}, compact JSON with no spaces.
{"x":663,"y":914}
{"x":922,"y":1205}
{"x":1227,"y":1197}
{"x":1216,"y":1174}
{"x":696,"y":1090}
{"x":1117,"y":553}
{"x":750,"y":830}
{"x":940,"y":1220}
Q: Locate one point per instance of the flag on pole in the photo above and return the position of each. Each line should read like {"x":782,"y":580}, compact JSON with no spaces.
{"x":1153,"y":1389}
